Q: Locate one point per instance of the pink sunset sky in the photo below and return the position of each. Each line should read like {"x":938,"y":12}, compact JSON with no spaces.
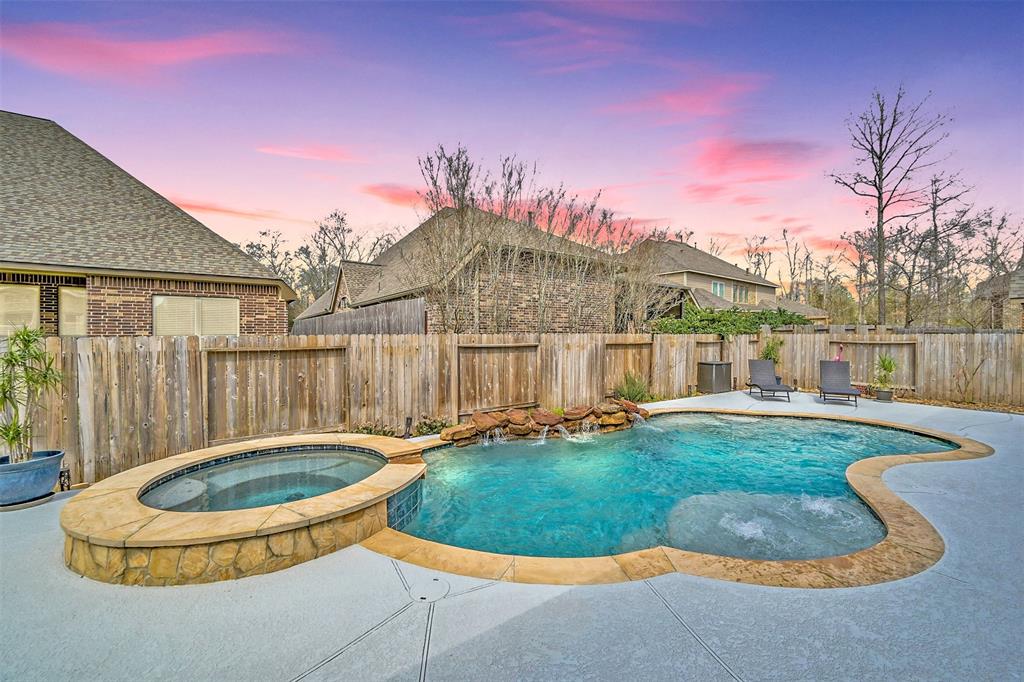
{"x":717,"y":117}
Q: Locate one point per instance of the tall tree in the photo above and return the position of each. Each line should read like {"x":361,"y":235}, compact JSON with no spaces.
{"x":333,"y":241}
{"x":895,"y":140}
{"x":759,"y":257}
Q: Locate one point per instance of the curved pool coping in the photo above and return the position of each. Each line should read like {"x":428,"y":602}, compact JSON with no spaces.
{"x":106,"y":522}
{"x":911,"y":543}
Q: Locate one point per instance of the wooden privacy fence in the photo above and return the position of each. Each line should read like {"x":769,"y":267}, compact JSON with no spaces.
{"x":408,"y":316}
{"x":127,"y":401}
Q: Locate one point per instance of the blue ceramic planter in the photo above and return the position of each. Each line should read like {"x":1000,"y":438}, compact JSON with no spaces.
{"x":30,"y":480}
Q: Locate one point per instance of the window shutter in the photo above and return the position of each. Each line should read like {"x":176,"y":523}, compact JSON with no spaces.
{"x":19,"y":307}
{"x":71,"y":312}
{"x":174,"y":316}
{"x":218,"y":316}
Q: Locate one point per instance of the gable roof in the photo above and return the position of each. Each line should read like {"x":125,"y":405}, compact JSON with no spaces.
{"x":65,"y":205}
{"x":680,"y":257}
{"x":396,"y":278}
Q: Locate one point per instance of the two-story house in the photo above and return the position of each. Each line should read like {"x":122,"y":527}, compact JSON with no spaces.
{"x":717,"y":284}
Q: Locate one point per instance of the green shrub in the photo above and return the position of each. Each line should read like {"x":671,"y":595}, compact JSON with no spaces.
{"x":772,"y":350}
{"x":725,"y":322}
{"x":27,"y":374}
{"x":374,"y":429}
{"x":428,"y":426}
{"x":633,"y":388}
{"x":560,"y":411}
{"x":885,"y":368}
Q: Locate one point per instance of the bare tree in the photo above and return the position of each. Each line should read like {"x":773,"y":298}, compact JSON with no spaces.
{"x":925,"y":247}
{"x":759,"y":257}
{"x":798,"y":264}
{"x":716,"y":247}
{"x":862,"y":245}
{"x":269,"y":249}
{"x":895,"y":141}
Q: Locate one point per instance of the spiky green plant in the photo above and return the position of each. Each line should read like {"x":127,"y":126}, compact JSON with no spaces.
{"x":633,"y":388}
{"x":885,"y":368}
{"x":27,"y":374}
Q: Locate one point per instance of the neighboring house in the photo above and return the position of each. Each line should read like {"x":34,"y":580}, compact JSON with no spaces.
{"x":575,"y":293}
{"x":1005,"y":294}
{"x":87,"y":249}
{"x":715,"y":284}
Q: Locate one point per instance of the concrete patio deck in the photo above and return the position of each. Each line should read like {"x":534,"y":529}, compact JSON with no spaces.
{"x":358,"y":615}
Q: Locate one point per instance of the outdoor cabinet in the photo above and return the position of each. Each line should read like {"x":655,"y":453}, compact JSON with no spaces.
{"x":714,"y":377}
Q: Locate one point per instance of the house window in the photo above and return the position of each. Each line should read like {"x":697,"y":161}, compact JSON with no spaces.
{"x":740,"y":294}
{"x":718,"y":289}
{"x":193,"y":315}
{"x":71,"y":311}
{"x":19,"y":307}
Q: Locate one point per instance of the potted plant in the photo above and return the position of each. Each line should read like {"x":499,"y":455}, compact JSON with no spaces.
{"x":773,"y":351}
{"x":885,"y":368}
{"x":27,"y":373}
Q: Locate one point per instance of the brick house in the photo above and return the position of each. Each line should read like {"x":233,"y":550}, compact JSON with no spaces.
{"x":713,"y":283}
{"x":498,"y":269}
{"x":87,"y":249}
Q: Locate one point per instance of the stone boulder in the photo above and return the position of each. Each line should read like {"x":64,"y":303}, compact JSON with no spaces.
{"x":518,"y":417}
{"x":483,"y":421}
{"x":643,"y":413}
{"x":613,"y":419}
{"x":545,"y":418}
{"x":458,"y":432}
{"x":629,"y":405}
{"x":472,"y":440}
{"x":519,"y":429}
{"x":607,"y":407}
{"x":499,"y":417}
{"x":576,"y":413}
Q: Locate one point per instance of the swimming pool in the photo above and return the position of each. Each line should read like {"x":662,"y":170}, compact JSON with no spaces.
{"x":745,"y":486}
{"x":260,"y":478}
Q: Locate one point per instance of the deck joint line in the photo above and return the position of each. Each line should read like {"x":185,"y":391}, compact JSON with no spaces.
{"x":401,"y":576}
{"x":471,"y":589}
{"x":693,"y":633}
{"x":352,"y":643}
{"x":426,"y":642}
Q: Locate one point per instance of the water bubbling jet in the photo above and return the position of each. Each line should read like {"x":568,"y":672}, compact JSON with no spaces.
{"x":543,"y":436}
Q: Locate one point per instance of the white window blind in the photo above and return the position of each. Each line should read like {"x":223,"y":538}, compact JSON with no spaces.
{"x":192,"y":315}
{"x":218,"y":316}
{"x":19,"y":307}
{"x":71,"y":312}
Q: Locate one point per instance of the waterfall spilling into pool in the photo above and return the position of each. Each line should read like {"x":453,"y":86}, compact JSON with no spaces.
{"x":733,"y":485}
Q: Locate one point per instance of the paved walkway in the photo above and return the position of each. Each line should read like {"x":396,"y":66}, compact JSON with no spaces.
{"x":356,"y":615}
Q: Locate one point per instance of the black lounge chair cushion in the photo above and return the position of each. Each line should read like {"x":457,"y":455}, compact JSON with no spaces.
{"x":781,"y":388}
{"x":840,"y":391}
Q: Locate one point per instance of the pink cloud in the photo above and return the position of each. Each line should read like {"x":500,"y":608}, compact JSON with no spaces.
{"x":705,"y":96}
{"x":754,"y":160}
{"x":396,"y":195}
{"x":197,"y":206}
{"x":764,"y":218}
{"x":631,"y":10}
{"x":748,"y":199}
{"x":705,"y":192}
{"x":313,"y":152}
{"x":83,"y":51}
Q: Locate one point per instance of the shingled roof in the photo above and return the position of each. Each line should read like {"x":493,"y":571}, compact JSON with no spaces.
{"x":680,"y":257}
{"x":397,"y":276}
{"x":64,"y":205}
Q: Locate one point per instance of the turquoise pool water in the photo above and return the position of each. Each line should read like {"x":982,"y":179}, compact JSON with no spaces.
{"x":262,"y":478}
{"x":754,"y":487}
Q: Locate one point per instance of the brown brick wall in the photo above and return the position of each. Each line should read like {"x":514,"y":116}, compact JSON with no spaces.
{"x":571,"y":304}
{"x":123,"y":306}
{"x":49,"y":286}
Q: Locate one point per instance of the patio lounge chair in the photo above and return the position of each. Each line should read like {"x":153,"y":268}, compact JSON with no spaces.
{"x":835,"y":382}
{"x":762,"y":377}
